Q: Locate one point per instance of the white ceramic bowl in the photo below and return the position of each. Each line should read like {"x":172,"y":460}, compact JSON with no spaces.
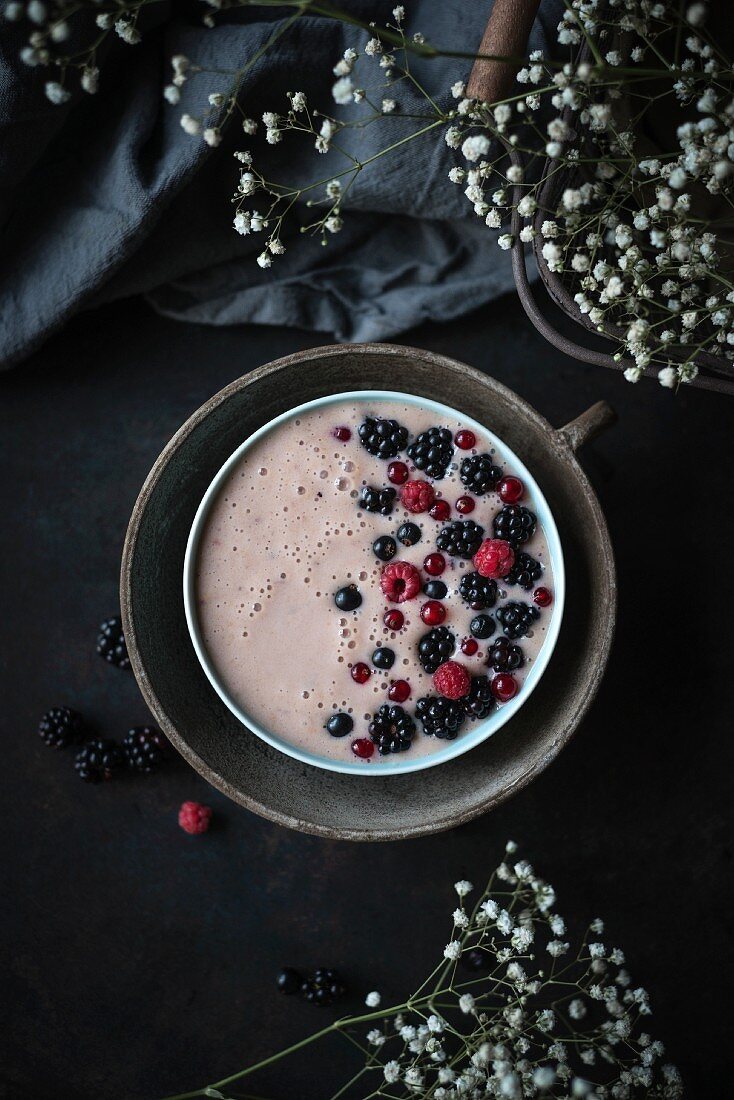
{"x":480,"y":731}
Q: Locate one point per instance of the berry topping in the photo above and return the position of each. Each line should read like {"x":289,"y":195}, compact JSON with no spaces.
{"x":479,"y":700}
{"x":440,"y":717}
{"x":383,"y":657}
{"x":514,"y":523}
{"x":393,"y":619}
{"x":440,"y":510}
{"x":384,"y":548}
{"x":398,"y":691}
{"x":363,"y":748}
{"x":469,"y":646}
{"x":510,"y":490}
{"x":478,"y":591}
{"x":400,"y":581}
{"x":377,"y":500}
{"x":434,"y":564}
{"x":464,"y":505}
{"x":111,"y":643}
{"x":62,"y":726}
{"x":145,"y":748}
{"x":323,"y":988}
{"x":348,"y":598}
{"x":435,"y":590}
{"x":417,"y":496}
{"x":340,"y":724}
{"x":525,"y":572}
{"x":452,"y":680}
{"x":433,"y":613}
{"x":542,"y":597}
{"x":504,"y":687}
{"x":98,"y":761}
{"x":479,"y":474}
{"x":383,"y":438}
{"x":435,"y":647}
{"x":194,"y":818}
{"x":342,"y":434}
{"x":432,"y":451}
{"x":397,"y":472}
{"x":465,"y":439}
{"x":289,"y":980}
{"x":494,"y":558}
{"x":482,"y":626}
{"x":516,"y":618}
{"x":360,"y":672}
{"x":461,"y":539}
{"x":391,"y":729}
{"x":503,"y":656}
{"x":409,"y":534}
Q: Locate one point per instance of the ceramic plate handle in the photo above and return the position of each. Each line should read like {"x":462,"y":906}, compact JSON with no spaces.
{"x":588,"y":426}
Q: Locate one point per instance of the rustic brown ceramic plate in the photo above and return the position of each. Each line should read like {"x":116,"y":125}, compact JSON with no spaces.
{"x":254,"y":773}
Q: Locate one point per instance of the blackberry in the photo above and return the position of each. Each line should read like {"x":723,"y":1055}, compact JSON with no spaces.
{"x":323,"y":988}
{"x":377,"y":500}
{"x":383,"y":657}
{"x":340,"y":724}
{"x":99,"y":760}
{"x":503,"y":656}
{"x":111,"y":643}
{"x":62,"y":726}
{"x":515,"y":524}
{"x":526,"y":571}
{"x":144,"y":748}
{"x":440,"y":717}
{"x":348,"y":598}
{"x":482,"y":626}
{"x":461,"y":539}
{"x":382,"y":438}
{"x":384,"y":548}
{"x":409,"y":534}
{"x":479,"y":474}
{"x":435,"y":647}
{"x":516,"y":618}
{"x":480,"y":700}
{"x":432,"y":452}
{"x":477,"y":959}
{"x":435,"y":590}
{"x":391,"y":729}
{"x":478,"y":591}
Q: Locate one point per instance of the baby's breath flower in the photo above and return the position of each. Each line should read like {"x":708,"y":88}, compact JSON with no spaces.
{"x":463,"y":887}
{"x":452,"y":950}
{"x":372,"y":999}
{"x":190,"y":125}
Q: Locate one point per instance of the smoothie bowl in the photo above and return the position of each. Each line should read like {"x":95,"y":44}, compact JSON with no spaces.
{"x":373,"y":583}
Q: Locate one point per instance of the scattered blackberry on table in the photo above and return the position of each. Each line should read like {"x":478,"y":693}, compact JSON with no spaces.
{"x":144,"y":748}
{"x":432,"y":452}
{"x":440,"y":717}
{"x":479,"y":474}
{"x":525,"y":572}
{"x":461,"y":539}
{"x":435,"y":647}
{"x":516,"y":618}
{"x":382,"y":438}
{"x":383,"y":657}
{"x":98,"y":761}
{"x":323,"y":988}
{"x":289,"y":981}
{"x":480,"y":700}
{"x":391,"y":729}
{"x":62,"y":726}
{"x":482,"y":626}
{"x":435,"y":590}
{"x":348,"y":598}
{"x":111,"y":643}
{"x":478,"y":591}
{"x":503,"y":656}
{"x":515,"y":524}
{"x":377,"y":500}
{"x":408,"y":534}
{"x":384,"y":548}
{"x":340,"y":724}
{"x":477,"y":959}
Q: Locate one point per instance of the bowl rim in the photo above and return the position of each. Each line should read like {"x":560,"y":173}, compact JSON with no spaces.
{"x":400,"y":765}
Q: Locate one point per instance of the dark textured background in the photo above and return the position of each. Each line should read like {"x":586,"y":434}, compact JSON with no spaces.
{"x":142,"y":961}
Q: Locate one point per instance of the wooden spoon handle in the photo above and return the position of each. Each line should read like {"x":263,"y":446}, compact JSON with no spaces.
{"x":506,"y":35}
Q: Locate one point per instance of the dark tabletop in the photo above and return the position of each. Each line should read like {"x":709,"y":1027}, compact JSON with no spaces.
{"x":142,"y":961}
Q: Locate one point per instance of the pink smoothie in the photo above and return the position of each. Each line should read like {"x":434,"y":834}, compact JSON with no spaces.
{"x":285,"y":533}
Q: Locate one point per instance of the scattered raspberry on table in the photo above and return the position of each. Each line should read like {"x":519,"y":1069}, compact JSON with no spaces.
{"x":194,"y":818}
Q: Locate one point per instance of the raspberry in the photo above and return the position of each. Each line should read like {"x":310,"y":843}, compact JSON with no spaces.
{"x":194,"y":818}
{"x":417,"y":496}
{"x":494,"y":558}
{"x":452,"y":680}
{"x":400,"y":581}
